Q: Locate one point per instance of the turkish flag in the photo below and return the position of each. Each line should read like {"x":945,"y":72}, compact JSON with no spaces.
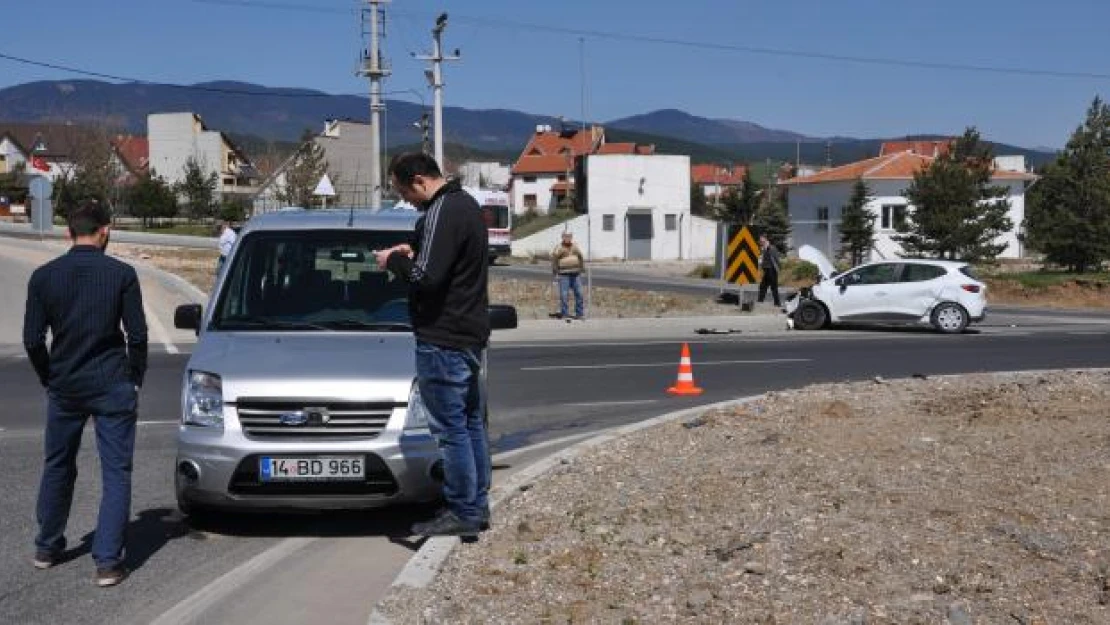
{"x":40,"y":163}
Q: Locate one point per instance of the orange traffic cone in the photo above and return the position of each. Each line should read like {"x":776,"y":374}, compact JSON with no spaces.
{"x":685,"y":383}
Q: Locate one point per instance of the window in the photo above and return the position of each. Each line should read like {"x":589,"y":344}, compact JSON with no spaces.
{"x":530,"y":201}
{"x":561,"y":177}
{"x":228,"y":181}
{"x":884,"y":273}
{"x":670,"y":222}
{"x":822,"y":218}
{"x":313,"y":281}
{"x":607,"y":223}
{"x":528,"y":179}
{"x":894,"y":216}
{"x":913,"y":272}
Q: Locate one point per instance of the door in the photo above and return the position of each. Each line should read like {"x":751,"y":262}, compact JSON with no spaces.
{"x":639,"y":237}
{"x":919,"y":288}
{"x":866,"y":294}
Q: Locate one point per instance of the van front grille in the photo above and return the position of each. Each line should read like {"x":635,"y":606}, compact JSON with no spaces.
{"x":313,"y":419}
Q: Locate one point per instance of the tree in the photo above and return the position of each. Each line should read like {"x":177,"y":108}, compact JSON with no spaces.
{"x":957,"y":212}
{"x":772,"y":219}
{"x":95,"y":171}
{"x":234,"y":208}
{"x":857,"y":225}
{"x":199,"y":191}
{"x":699,"y":206}
{"x":150,"y":198}
{"x":740,"y":206}
{"x":304,"y":173}
{"x":1068,"y":218}
{"x":13,"y":186}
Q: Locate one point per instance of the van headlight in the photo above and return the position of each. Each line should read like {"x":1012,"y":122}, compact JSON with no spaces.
{"x":416,"y":417}
{"x":204,"y":400}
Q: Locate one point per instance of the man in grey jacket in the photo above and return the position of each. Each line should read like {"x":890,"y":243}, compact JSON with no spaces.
{"x":769,"y":266}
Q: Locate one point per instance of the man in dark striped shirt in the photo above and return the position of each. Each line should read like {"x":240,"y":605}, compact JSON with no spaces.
{"x":89,"y":370}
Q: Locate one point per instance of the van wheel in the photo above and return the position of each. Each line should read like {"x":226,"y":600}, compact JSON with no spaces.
{"x":810,"y":315}
{"x":950,"y":318}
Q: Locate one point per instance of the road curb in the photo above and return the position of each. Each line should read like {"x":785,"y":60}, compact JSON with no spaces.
{"x":423,"y":567}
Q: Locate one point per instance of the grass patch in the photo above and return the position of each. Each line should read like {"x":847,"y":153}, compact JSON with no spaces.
{"x":530,"y":223}
{"x":1048,"y":279}
{"x":193,"y":230}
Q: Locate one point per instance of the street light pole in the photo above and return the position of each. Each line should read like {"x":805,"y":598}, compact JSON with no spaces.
{"x":435,"y":76}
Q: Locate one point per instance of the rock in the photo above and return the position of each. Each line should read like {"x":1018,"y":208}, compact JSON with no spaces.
{"x":145,"y":256}
{"x":879,"y":380}
{"x":698,"y":600}
{"x":695,"y":423}
{"x":755,"y":568}
{"x":957,"y":615}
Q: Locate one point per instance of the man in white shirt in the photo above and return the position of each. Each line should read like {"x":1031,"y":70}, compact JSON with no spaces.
{"x":227,"y":241}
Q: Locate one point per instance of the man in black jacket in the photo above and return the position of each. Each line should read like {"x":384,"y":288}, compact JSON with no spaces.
{"x":90,"y":369}
{"x":447,"y":271}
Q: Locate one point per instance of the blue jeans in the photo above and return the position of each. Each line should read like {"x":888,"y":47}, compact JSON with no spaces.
{"x":114,"y":415}
{"x":569,"y":282}
{"x":450,"y":385}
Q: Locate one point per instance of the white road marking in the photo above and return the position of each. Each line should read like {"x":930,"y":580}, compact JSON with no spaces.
{"x":696,"y":364}
{"x":172,"y":422}
{"x":555,"y":442}
{"x":159,"y":331}
{"x":192,"y":608}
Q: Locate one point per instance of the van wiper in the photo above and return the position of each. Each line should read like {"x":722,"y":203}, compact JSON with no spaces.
{"x":371,"y":326}
{"x":266,"y":323}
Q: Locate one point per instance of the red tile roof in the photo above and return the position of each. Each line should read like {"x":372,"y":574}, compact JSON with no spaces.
{"x":134,"y":152}
{"x":924,"y":148}
{"x":552,"y":164}
{"x":617,"y":148}
{"x":550,"y":152}
{"x":896,"y":166}
{"x":60,"y":140}
{"x":717,"y":175}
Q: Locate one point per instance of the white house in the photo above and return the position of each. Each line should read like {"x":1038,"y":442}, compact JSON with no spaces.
{"x":816,"y":201}
{"x":637,"y":208}
{"x":175,"y":138}
{"x":485,"y":174}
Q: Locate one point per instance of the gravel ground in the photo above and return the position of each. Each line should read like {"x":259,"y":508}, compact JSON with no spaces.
{"x":982,"y":499}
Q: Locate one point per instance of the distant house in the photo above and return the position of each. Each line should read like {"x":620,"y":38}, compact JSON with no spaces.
{"x":47,"y":150}
{"x":716,"y":180}
{"x":543,"y":176}
{"x":346,"y":147}
{"x":816,"y":201}
{"x":485,"y":174}
{"x":931,"y":149}
{"x":133,"y":155}
{"x":175,"y":138}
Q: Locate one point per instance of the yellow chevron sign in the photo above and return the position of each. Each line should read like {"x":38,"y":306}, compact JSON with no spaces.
{"x":742,"y":260}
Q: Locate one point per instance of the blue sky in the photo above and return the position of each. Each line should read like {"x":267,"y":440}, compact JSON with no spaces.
{"x":538,"y":71}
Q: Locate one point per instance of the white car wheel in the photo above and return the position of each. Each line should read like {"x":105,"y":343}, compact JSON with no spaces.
{"x":950,"y":318}
{"x":810,"y":316}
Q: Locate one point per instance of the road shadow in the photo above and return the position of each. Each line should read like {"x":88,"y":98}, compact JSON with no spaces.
{"x":893,"y":329}
{"x":146,"y":535}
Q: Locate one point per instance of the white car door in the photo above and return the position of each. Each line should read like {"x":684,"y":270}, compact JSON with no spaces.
{"x":918,"y":289}
{"x":864,"y":294}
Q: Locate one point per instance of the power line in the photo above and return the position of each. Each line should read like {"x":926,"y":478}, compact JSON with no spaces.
{"x":705,"y":45}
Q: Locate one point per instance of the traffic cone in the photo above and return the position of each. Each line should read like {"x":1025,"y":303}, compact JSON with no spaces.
{"x":685,"y":383}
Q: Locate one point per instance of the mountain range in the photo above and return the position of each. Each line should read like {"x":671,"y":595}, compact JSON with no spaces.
{"x":257,"y":114}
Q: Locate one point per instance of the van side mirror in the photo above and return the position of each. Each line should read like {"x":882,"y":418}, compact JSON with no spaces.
{"x":187,"y":317}
{"x":502,"y":317}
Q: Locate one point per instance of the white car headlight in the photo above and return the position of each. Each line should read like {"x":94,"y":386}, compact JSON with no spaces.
{"x":416,"y":417}
{"x":204,"y":400}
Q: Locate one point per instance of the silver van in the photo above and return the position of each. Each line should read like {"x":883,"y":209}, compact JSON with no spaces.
{"x":300,"y":391}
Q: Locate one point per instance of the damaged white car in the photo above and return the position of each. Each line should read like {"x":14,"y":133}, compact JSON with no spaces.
{"x":939,"y":293}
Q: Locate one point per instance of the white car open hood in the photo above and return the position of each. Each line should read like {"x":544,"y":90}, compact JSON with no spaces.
{"x":811,"y":254}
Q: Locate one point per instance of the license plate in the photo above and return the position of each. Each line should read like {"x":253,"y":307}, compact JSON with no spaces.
{"x":315,"y":468}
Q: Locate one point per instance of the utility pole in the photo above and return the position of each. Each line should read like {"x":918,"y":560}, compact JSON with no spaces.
{"x":582,"y":75}
{"x":435,"y":77}
{"x":423,"y":126}
{"x":375,"y":70}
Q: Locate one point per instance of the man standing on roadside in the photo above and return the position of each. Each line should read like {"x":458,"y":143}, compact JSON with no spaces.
{"x":90,"y":370}
{"x":769,"y":266}
{"x":227,"y":241}
{"x":567,"y":264}
{"x":447,"y":269}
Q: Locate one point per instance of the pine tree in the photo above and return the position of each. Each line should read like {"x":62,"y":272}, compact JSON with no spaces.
{"x":305,"y":172}
{"x":1068,"y":217}
{"x":151,"y":198}
{"x":957,"y":213}
{"x":857,"y":225}
{"x":199,"y":191}
{"x":699,"y":206}
{"x":772,"y":219}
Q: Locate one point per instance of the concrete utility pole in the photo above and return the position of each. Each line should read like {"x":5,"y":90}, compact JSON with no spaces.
{"x":376,"y":70}
{"x":435,"y":78}
{"x":423,"y":126}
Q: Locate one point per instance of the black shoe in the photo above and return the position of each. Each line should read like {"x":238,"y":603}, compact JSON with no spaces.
{"x":43,"y":560}
{"x":446,"y":524}
{"x":483,"y":520}
{"x":110,"y":577}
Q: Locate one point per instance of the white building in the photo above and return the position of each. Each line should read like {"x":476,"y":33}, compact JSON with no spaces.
{"x":637,"y":208}
{"x":816,"y":202}
{"x":175,"y":138}
{"x":485,"y":174}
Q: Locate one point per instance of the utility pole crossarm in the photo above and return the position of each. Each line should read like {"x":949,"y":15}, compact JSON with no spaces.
{"x":435,"y":77}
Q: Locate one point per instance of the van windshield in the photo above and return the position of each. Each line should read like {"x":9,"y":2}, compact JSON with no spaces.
{"x":496,"y":216}
{"x":312,"y":280}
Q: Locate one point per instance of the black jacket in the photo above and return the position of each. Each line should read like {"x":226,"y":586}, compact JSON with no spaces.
{"x":83,"y":297}
{"x":449,"y":272}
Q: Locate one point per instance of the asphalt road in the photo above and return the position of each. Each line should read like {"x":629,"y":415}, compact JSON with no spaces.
{"x":539,"y":392}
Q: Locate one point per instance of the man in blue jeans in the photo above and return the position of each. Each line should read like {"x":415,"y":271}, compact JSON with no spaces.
{"x":90,"y":370}
{"x":447,"y":270}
